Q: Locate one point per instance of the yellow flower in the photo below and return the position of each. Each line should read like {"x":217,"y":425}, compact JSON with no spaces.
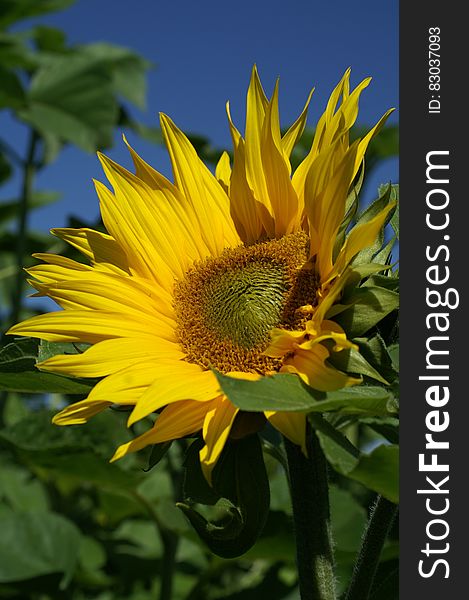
{"x":234,"y":272}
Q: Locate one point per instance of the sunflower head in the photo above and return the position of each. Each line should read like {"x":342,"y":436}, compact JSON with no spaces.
{"x":240,"y":272}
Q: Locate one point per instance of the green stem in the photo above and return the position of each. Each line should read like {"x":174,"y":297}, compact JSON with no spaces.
{"x":169,"y":541}
{"x":29,"y":171}
{"x":310,"y":501}
{"x":381,"y":519}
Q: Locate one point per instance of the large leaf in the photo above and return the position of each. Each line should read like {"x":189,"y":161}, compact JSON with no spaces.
{"x":34,"y":544}
{"x":72,"y":97}
{"x":286,"y":392}
{"x":127,"y":69}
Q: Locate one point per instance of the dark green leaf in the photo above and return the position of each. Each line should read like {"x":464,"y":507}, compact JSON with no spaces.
{"x":49,"y":39}
{"x":18,"y":372}
{"x":35,"y":544}
{"x":393,"y":350}
{"x":11,"y":91}
{"x":15,"y":10}
{"x":158,"y":452}
{"x":35,"y":382}
{"x":286,"y":392}
{"x":338,"y":450}
{"x":376,"y":353}
{"x":352,"y":361}
{"x":370,"y":305}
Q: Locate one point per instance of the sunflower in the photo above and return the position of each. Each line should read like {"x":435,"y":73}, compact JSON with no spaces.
{"x":233,"y":272}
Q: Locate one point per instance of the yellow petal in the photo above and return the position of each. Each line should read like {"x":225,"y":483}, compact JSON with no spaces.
{"x":326,"y":207}
{"x":290,"y":424}
{"x":201,"y":190}
{"x":282,"y":197}
{"x":223,"y":171}
{"x":175,"y":421}
{"x":255,"y":114}
{"x":79,"y":412}
{"x":102,"y":249}
{"x":251,"y":217}
{"x":110,"y":356}
{"x":145,"y":225}
{"x":126,"y":386}
{"x":294,"y":133}
{"x":90,"y":327}
{"x":216,"y":429}
{"x":111,"y":295}
{"x":310,"y":366}
{"x":175,"y":381}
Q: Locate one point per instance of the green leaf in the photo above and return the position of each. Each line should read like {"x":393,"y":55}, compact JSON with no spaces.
{"x":370,"y":305}
{"x":15,"y":10}
{"x":80,"y":453}
{"x":385,"y":197}
{"x":348,"y":520}
{"x":386,"y":427}
{"x":125,"y":66}
{"x":49,"y":39}
{"x":393,"y":350}
{"x":338,"y":450}
{"x":72,"y":97}
{"x":34,"y":544}
{"x":379,"y":471}
{"x":11,"y":90}
{"x":158,"y":452}
{"x":48,"y":349}
{"x":35,"y":382}
{"x":18,"y":372}
{"x":20,"y":490}
{"x":286,"y":392}
{"x":395,"y":216}
{"x":352,"y":361}
{"x":375,"y":351}
{"x":9,"y":208}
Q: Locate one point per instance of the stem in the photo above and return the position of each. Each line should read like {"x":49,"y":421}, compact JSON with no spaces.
{"x":310,"y":501}
{"x":381,"y":519}
{"x":29,"y":170}
{"x":169,"y":541}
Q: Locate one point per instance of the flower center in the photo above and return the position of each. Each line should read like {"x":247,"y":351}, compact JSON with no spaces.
{"x":243,"y":303}
{"x":226,"y":306}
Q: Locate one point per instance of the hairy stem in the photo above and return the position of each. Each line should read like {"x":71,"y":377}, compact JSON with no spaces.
{"x":381,"y":519}
{"x":310,"y":501}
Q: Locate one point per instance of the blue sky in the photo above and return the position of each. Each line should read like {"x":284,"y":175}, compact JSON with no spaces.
{"x":203,"y":53}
